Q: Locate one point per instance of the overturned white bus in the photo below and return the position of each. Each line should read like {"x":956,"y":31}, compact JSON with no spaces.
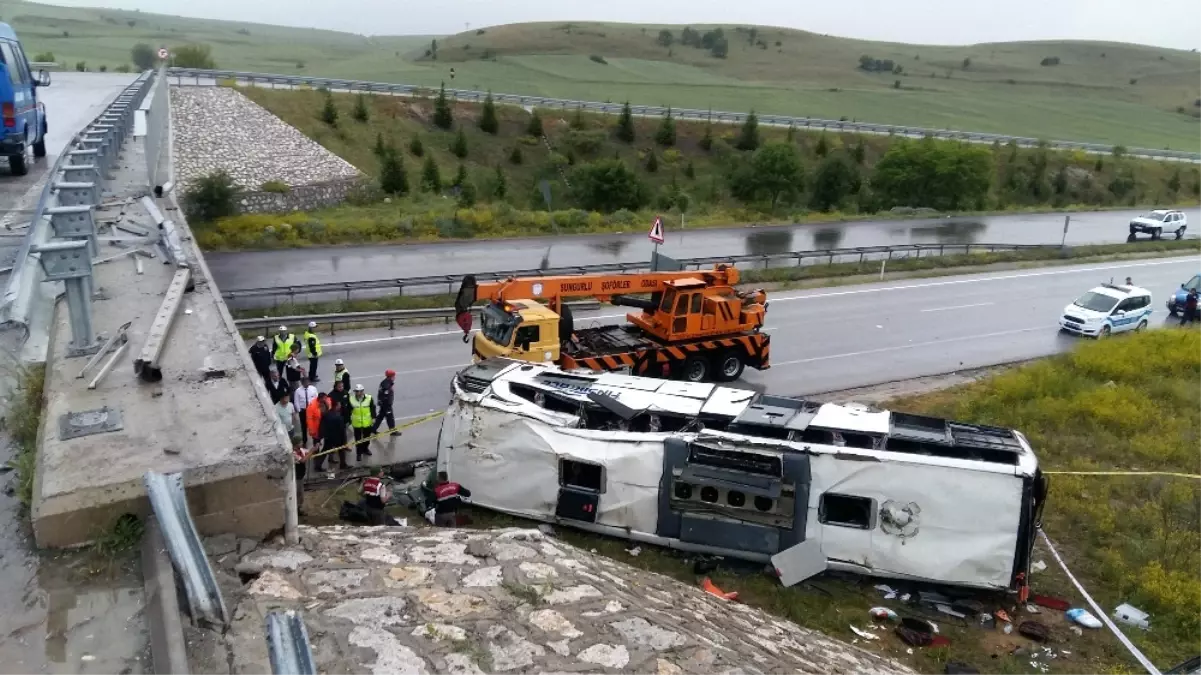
{"x":809,"y":486}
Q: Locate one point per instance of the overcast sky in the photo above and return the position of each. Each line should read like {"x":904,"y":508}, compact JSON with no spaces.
{"x":1167,"y":23}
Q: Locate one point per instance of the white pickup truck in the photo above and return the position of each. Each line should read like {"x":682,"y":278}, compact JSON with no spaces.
{"x":1158,"y":222}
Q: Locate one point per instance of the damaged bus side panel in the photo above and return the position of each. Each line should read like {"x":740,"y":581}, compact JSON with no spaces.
{"x":805,"y":485}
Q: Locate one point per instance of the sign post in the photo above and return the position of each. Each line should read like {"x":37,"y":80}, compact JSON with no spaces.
{"x":1066,"y":221}
{"x":656,"y":236}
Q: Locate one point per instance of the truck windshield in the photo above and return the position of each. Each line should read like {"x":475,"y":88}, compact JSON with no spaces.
{"x":497,"y":325}
{"x":669,"y":300}
{"x":1096,"y":302}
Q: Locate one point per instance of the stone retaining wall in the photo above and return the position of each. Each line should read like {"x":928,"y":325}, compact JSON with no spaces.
{"x":298,"y":198}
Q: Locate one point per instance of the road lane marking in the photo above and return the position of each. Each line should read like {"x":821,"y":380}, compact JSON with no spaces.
{"x":896,"y":348}
{"x":945,"y":309}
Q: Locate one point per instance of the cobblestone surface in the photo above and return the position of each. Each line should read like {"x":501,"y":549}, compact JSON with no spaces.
{"x":387,"y":600}
{"x":219,"y":128}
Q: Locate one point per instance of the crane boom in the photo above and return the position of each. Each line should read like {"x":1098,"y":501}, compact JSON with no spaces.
{"x":600,"y":286}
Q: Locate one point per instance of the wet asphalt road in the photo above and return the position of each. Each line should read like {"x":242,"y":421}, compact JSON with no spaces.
{"x":258,"y":269}
{"x":72,"y":100}
{"x":822,"y":339}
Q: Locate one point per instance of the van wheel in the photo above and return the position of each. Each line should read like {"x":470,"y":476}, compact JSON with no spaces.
{"x":696,"y":369}
{"x":730,"y":366}
{"x":39,"y":148}
{"x":1180,"y":233}
{"x":16,"y":163}
{"x":1142,"y":325}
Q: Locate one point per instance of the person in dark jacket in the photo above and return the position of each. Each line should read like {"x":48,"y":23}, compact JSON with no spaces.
{"x":1189,"y":315}
{"x":333,"y":435}
{"x":449,"y":498}
{"x":260,"y":355}
{"x":341,"y":396}
{"x":293,"y":371}
{"x":384,"y":399}
{"x":276,"y":386}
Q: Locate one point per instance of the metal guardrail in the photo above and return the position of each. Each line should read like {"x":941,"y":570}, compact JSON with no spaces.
{"x":657,"y":111}
{"x":391,"y":316}
{"x":187,"y":552}
{"x":375,"y":288}
{"x":117,"y":117}
{"x":288,"y":644}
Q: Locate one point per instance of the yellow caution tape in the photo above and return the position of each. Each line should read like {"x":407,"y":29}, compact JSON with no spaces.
{"x":1172,"y":474}
{"x":406,"y":425}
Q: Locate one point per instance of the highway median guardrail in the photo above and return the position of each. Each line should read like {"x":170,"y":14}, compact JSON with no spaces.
{"x":840,"y":125}
{"x":377,"y":288}
{"x":389,"y":316}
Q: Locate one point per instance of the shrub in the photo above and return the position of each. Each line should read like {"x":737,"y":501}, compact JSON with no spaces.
{"x":652,"y":162}
{"x":211,"y":197}
{"x":534,"y":127}
{"x":608,"y":185}
{"x":1049,"y":61}
{"x":142,"y":55}
{"x":45,"y":57}
{"x":748,"y":137}
{"x":193,"y":56}
{"x":689,"y":170}
{"x":103,"y":68}
{"x":587,"y":143}
{"x":666,"y":134}
{"x":360,"y":112}
{"x":416,"y":147}
{"x":443,"y":117}
{"x":836,"y":180}
{"x":488,"y":121}
{"x":625,"y":124}
{"x":459,"y":146}
{"x":81,"y":66}
{"x":577,"y":120}
{"x":276,"y":186}
{"x":123,"y":68}
{"x":393,"y":179}
{"x":515,"y":155}
{"x":329,"y":111}
{"x":599,"y":59}
{"x":431,"y":178}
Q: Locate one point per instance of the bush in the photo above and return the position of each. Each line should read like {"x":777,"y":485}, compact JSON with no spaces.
{"x":599,"y":59}
{"x":142,"y":55}
{"x":193,"y":56}
{"x":835,"y":181}
{"x":416,"y":147}
{"x":431,"y":178}
{"x":123,"y":68}
{"x":608,"y":185}
{"x":443,"y":117}
{"x":666,"y":134}
{"x":45,"y":57}
{"x":625,"y":124}
{"x":534,"y":127}
{"x":586,"y":143}
{"x":748,"y":137}
{"x":211,"y":197}
{"x":515,"y":155}
{"x":329,"y":111}
{"x":927,"y":173}
{"x":488,"y":121}
{"x":393,"y":180}
{"x":81,"y":66}
{"x":276,"y":186}
{"x":652,"y":162}
{"x":103,"y":68}
{"x":459,"y":146}
{"x":360,"y":112}
{"x":1049,"y":61}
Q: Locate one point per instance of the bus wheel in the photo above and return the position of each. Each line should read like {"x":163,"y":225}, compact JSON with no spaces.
{"x":730,"y":366}
{"x":696,"y":369}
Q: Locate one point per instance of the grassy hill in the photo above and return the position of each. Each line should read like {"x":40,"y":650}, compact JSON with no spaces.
{"x":708,"y":178}
{"x":1104,"y":92}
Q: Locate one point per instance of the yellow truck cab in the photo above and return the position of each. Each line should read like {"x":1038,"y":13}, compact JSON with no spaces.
{"x":518,"y":329}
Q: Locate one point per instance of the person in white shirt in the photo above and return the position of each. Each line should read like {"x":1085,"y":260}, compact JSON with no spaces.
{"x":305,"y":394}
{"x":286,"y":412}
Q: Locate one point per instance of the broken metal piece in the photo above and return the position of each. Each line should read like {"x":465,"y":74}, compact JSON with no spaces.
{"x":108,"y":344}
{"x":147,"y":364}
{"x":108,"y":365}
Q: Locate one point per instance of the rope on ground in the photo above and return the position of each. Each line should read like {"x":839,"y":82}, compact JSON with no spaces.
{"x":367,"y":439}
{"x":1138,"y":656}
{"x":1171,"y":474}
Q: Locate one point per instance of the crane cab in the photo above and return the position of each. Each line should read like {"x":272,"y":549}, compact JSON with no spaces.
{"x":523,"y":330}
{"x":690,"y":308}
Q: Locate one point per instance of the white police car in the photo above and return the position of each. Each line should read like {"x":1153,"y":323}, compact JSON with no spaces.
{"x":1106,"y":309}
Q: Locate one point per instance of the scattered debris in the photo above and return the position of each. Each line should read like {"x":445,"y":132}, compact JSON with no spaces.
{"x":1034,"y":630}
{"x":889,"y":594}
{"x":1031,"y":609}
{"x":1008,"y":629}
{"x":1076,"y":630}
{"x":634,"y":551}
{"x":1002,"y":615}
{"x":1083,"y":617}
{"x":948,"y":611}
{"x":1052,"y":603}
{"x":708,"y":587}
{"x":1038,"y":566}
{"x":987,"y":621}
{"x":864,"y":634}
{"x":1132,"y":616}
{"x":883,"y":614}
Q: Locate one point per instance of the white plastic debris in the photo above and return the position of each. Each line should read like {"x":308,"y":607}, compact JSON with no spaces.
{"x":864,"y":634}
{"x":1132,"y":616}
{"x":1038,"y":566}
{"x":1032,"y":609}
{"x":1083,"y":617}
{"x":887,"y":590}
{"x":883,"y":614}
{"x":1076,"y":630}
{"x":634,"y":551}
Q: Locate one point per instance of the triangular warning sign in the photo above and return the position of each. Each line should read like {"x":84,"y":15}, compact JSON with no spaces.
{"x":656,"y":233}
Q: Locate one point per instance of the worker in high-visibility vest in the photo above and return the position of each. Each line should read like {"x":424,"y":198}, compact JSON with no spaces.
{"x":341,"y":374}
{"x":282,"y":348}
{"x":362,"y":420}
{"x":312,"y":347}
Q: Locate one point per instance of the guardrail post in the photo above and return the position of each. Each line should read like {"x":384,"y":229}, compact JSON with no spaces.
{"x":76,"y":194}
{"x":70,"y":263}
{"x":75,"y":222}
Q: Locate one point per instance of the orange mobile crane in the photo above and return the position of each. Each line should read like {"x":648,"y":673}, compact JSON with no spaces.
{"x":694,"y":325}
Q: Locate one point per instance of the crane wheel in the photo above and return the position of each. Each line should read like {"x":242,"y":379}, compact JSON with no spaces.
{"x":729,"y":366}
{"x":696,"y":369}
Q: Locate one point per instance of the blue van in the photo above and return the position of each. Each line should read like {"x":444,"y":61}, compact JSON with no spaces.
{"x":1176,"y":300}
{"x":24,"y":117}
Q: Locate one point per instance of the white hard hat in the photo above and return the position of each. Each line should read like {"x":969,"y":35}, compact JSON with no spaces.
{"x":283,"y":329}
{"x":338,"y":362}
{"x":312,"y":324}
{"x":262,"y":339}
{"x":358,"y":387}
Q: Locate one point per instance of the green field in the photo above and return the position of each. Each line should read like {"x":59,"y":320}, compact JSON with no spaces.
{"x":1103,"y":92}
